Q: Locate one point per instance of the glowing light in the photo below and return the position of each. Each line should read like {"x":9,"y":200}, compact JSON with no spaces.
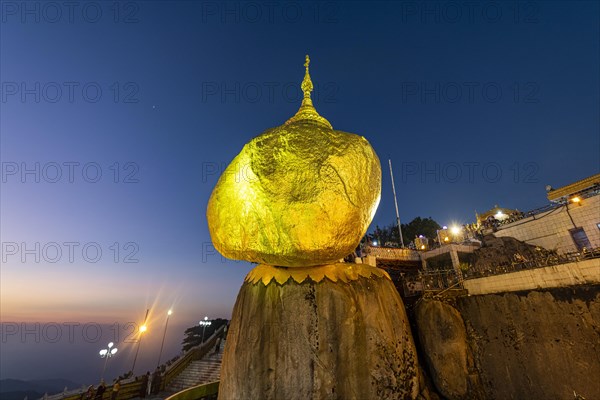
{"x":422,"y":247}
{"x":455,"y":230}
{"x":111,"y":351}
{"x":375,"y":243}
{"x":170,"y":312}
{"x":575,"y":199}
{"x":143,"y":328}
{"x":446,"y":239}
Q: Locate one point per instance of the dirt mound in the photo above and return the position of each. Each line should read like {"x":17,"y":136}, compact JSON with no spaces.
{"x":497,"y":251}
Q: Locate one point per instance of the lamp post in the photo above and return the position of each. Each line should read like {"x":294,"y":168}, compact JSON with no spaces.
{"x":143,"y":329}
{"x":106,"y":354}
{"x":204,"y":324}
{"x":163,"y":339}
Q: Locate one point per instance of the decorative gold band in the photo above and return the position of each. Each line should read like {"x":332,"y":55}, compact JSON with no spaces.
{"x":344,"y":272}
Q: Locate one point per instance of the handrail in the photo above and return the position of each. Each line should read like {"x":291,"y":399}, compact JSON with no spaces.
{"x":196,"y":392}
{"x":195,"y":353}
{"x":131,"y":387}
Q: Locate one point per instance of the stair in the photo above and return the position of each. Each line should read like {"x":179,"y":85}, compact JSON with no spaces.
{"x":198,"y":372}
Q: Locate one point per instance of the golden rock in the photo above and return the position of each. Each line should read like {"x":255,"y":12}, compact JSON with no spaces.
{"x":297,"y":195}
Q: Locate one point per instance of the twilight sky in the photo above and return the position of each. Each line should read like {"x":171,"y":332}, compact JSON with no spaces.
{"x":117,"y":118}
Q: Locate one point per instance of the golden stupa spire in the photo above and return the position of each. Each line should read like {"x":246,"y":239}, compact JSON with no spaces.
{"x":307,"y":112}
{"x":307,"y":85}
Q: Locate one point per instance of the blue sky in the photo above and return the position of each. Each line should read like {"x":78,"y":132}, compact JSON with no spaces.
{"x":475,"y":105}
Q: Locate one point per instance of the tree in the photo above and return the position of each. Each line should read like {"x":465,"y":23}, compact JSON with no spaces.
{"x":193,"y":335}
{"x":418,"y":226}
{"x":385,"y":235}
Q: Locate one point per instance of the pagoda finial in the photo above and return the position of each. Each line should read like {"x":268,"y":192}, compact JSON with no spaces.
{"x":307,"y":111}
{"x":307,"y":85}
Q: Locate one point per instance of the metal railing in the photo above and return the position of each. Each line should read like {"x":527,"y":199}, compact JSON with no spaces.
{"x":195,"y":353}
{"x":130,"y":388}
{"x":544,"y":209}
{"x":197,"y":392}
{"x":538,"y":262}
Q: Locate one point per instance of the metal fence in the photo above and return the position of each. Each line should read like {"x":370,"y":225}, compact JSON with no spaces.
{"x":538,"y":262}
{"x":434,"y":280}
{"x":439,"y":279}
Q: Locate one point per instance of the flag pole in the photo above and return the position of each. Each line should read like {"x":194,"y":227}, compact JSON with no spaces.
{"x":396,"y":204}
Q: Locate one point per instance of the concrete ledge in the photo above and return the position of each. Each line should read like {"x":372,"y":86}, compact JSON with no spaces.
{"x":570,"y":274}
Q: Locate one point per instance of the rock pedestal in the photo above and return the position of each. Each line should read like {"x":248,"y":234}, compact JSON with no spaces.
{"x":444,"y":340}
{"x":333,"y":332}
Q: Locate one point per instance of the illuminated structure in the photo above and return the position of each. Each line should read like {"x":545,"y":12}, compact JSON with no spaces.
{"x":297,"y":199}
{"x":421,"y":243}
{"x":300,"y":194}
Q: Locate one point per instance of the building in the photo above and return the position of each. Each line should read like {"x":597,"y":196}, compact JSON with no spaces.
{"x":570,"y":223}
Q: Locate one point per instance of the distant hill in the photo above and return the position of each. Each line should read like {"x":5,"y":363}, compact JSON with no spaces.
{"x":17,"y":389}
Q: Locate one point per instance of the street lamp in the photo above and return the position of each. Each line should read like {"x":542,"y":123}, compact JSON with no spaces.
{"x":163,"y":339}
{"x":204,"y":324}
{"x":143,"y":329}
{"x":106,"y":354}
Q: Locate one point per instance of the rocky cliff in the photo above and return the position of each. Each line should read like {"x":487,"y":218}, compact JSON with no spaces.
{"x":520,"y":345}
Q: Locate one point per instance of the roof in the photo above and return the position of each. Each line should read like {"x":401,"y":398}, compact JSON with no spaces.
{"x":576,"y":187}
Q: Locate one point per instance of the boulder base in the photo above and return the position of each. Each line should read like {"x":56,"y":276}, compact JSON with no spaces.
{"x":320,"y":340}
